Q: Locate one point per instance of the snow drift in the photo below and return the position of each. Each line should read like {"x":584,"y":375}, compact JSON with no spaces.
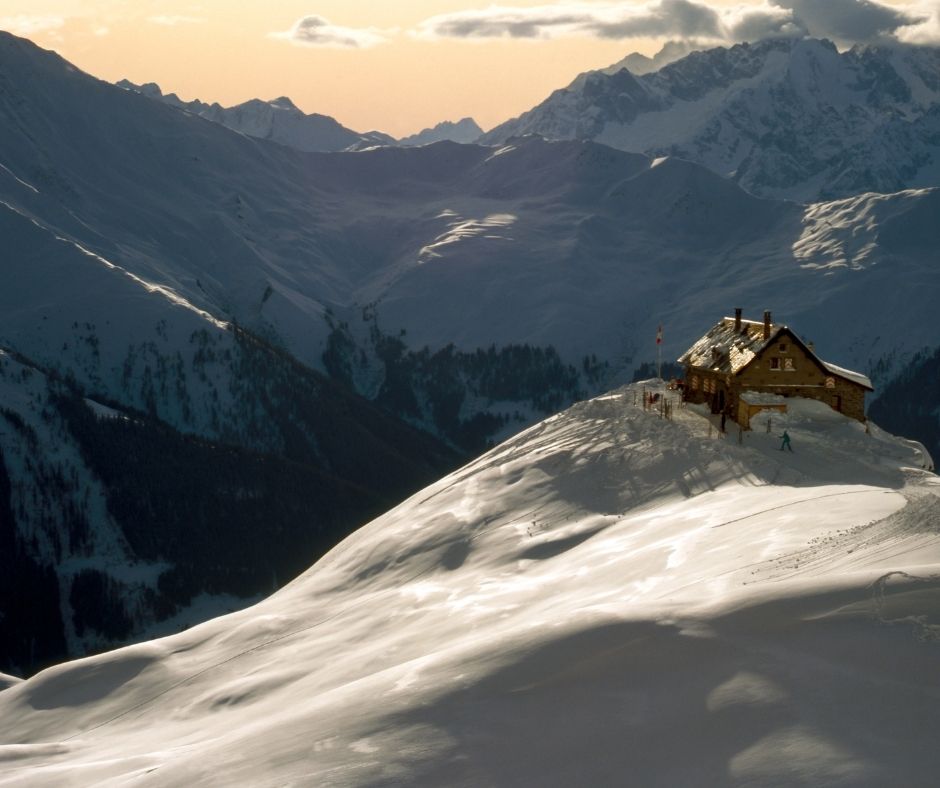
{"x":607,"y":598}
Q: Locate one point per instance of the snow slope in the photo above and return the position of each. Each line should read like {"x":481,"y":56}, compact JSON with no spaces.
{"x":606,"y":598}
{"x":790,"y":118}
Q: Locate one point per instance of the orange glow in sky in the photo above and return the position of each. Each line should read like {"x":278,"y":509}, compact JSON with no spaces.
{"x":395,"y":81}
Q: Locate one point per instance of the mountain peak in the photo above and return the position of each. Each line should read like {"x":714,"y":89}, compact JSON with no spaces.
{"x":785,"y":117}
{"x":464,"y":130}
{"x":278,"y":120}
{"x":283,"y":102}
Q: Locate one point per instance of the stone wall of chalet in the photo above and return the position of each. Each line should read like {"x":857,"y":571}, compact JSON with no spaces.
{"x":781,"y":368}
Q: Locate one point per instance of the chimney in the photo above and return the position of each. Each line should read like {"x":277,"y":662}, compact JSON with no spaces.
{"x":737,"y":320}
{"x":766,"y":324}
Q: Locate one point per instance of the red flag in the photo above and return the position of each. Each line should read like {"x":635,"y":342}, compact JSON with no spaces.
{"x":659,"y":335}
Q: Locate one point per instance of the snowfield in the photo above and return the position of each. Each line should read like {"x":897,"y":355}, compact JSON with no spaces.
{"x":608,"y":598}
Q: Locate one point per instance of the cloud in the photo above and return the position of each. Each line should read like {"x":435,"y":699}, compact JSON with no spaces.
{"x":850,"y":20}
{"x":680,"y":18}
{"x":27,"y":25}
{"x":315,"y":31}
{"x":755,"y":23}
{"x":926,"y":31}
{"x":173,"y":21}
{"x":845,"y":21}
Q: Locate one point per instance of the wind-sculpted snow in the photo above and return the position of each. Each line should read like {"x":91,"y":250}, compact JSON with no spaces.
{"x":606,"y":594}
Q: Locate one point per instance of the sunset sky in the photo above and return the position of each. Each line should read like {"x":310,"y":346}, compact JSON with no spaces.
{"x":401,"y":65}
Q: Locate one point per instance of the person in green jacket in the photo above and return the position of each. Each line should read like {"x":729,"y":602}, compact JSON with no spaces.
{"x":786,"y":442}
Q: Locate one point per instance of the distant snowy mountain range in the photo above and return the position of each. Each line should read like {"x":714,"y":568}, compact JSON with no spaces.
{"x":637,"y":63}
{"x":791,"y":118}
{"x":464,"y":130}
{"x":281,"y":121}
{"x":193,"y":286}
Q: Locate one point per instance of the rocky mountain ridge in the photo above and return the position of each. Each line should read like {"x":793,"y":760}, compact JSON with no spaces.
{"x":278,"y":120}
{"x":791,"y":118}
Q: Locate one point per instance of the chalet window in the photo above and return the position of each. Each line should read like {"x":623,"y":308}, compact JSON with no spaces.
{"x":830,"y":383}
{"x":783,"y":347}
{"x":775,"y":363}
{"x":695,"y":383}
{"x":788,"y":365}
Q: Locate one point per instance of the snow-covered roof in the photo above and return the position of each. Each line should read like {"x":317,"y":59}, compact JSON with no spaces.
{"x":723,"y":349}
{"x":848,"y":374}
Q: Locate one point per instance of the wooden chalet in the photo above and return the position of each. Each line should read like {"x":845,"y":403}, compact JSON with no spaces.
{"x":742,"y":366}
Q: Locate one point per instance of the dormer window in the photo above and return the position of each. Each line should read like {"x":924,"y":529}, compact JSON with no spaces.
{"x":775,"y":363}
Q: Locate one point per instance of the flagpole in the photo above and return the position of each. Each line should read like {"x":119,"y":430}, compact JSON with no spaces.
{"x":659,"y":352}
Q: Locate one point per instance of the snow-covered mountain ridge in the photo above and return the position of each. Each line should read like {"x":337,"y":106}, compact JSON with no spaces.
{"x":464,"y":130}
{"x":278,"y":120}
{"x":791,"y":118}
{"x":530,"y":242}
{"x":136,"y":237}
{"x":704,"y":613}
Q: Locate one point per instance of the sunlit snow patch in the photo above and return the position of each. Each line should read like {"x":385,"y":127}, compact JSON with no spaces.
{"x":500,"y":152}
{"x":18,"y":179}
{"x":150,"y":287}
{"x":844,"y":233}
{"x":168,"y":293}
{"x":464,"y":230}
{"x":103,"y":411}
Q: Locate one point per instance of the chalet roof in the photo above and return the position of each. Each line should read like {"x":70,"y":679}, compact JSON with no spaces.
{"x":726,"y":351}
{"x":848,"y":374}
